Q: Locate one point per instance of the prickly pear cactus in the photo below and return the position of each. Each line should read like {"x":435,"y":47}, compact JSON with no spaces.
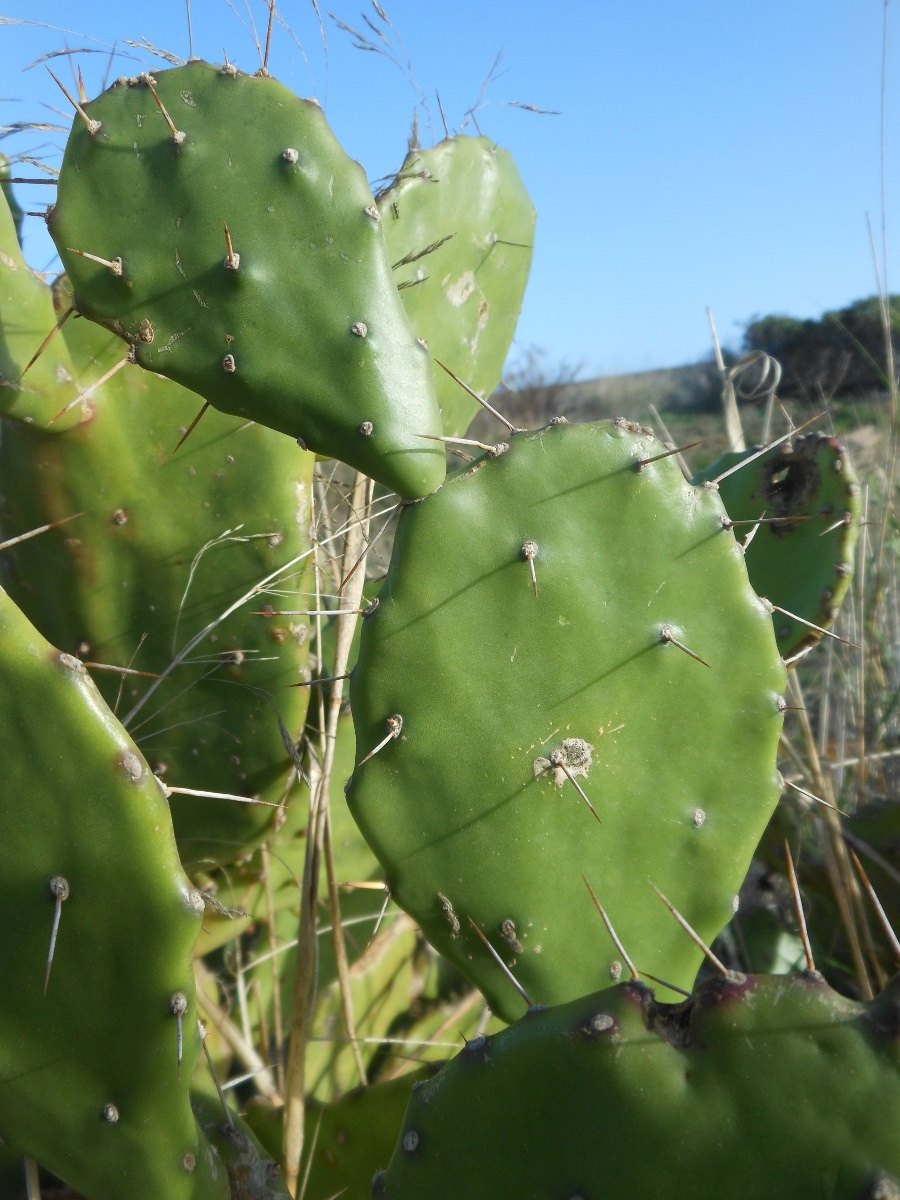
{"x":98,"y":1025}
{"x":760,"y":1088}
{"x":567,"y":675}
{"x":241,"y":254}
{"x":164,"y":543}
{"x":459,"y":226}
{"x":802,"y":561}
{"x":26,"y":317}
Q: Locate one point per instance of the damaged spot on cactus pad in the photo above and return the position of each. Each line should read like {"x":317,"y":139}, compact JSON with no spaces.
{"x":461,"y":289}
{"x":600,"y":1023}
{"x":572,"y":756}
{"x":509,"y":935}
{"x":192,"y":900}
{"x":449,"y":914}
{"x":70,"y":662}
{"x":132,"y":766}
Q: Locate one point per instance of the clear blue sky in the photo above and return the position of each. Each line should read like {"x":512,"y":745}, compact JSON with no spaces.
{"x":708,"y":152}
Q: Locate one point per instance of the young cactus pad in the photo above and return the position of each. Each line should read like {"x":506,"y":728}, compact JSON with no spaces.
{"x":459,"y":226}
{"x":96,"y":1007}
{"x":760,"y":1088}
{"x":242,"y":255}
{"x":536,"y":655}
{"x":801,"y":556}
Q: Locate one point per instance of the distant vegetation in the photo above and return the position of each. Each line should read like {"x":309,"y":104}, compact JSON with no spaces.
{"x":839,"y":356}
{"x":537,"y":389}
{"x":842,"y":352}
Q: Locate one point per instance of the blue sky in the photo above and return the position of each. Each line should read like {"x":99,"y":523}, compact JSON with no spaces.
{"x":707,"y":152}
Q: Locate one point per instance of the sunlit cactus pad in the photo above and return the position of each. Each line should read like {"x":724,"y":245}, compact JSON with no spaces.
{"x":801,"y":556}
{"x":565,"y":627}
{"x":762,"y":1088}
{"x":96,"y":1007}
{"x":242,"y":255}
{"x":459,"y":226}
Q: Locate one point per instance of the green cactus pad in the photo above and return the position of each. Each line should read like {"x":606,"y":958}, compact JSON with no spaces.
{"x":15,"y":208}
{"x":459,"y":226}
{"x":26,"y":318}
{"x":165,"y":542}
{"x":803,"y":561}
{"x":510,"y":701}
{"x":89,"y":1079}
{"x":293,"y":319}
{"x":764,"y":1088}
